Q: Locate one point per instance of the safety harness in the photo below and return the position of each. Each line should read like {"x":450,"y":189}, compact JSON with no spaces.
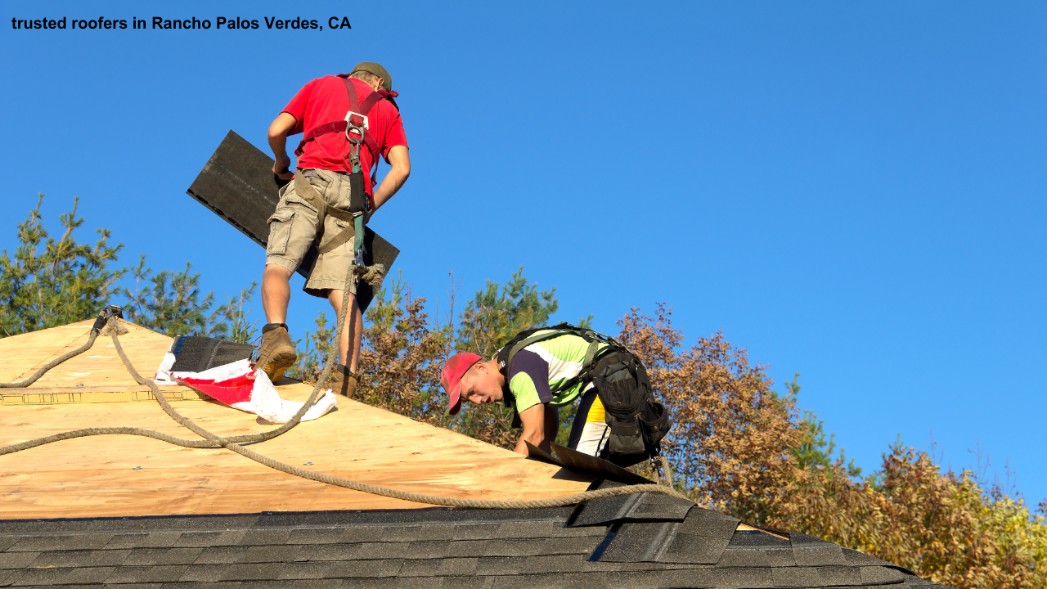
{"x":540,"y":334}
{"x":355,"y":127}
{"x":636,"y":420}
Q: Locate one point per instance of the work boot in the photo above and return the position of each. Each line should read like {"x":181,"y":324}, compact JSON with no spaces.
{"x":276,"y":353}
{"x":342,"y":381}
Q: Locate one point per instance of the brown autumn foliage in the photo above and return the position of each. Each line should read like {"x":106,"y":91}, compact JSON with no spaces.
{"x":732,"y":442}
{"x":400,"y":363}
{"x":740,"y":447}
{"x":943,"y":526}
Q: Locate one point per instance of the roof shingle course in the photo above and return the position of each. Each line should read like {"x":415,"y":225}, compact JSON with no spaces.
{"x":500,"y":548}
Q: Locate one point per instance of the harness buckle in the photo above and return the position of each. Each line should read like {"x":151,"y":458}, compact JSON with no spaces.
{"x":355,"y":123}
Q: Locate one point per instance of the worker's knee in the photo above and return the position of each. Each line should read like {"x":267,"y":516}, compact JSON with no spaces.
{"x":335,"y":297}
{"x":277,"y":271}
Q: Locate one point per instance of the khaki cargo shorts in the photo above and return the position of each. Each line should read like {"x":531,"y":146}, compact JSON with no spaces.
{"x":296,"y":225}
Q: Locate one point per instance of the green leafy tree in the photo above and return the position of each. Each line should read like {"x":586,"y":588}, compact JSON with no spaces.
{"x":172,"y":303}
{"x":55,"y":281}
{"x":403,"y":352}
{"x":498,"y":312}
{"x":316,"y":349}
{"x":49,"y":281}
{"x":815,"y":449}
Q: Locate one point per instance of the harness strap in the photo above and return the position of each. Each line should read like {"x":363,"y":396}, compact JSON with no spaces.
{"x":364,"y":108}
{"x":355,"y":129}
{"x":356,"y":106}
{"x":593,"y":353}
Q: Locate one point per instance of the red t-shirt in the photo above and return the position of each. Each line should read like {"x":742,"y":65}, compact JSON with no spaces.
{"x":325,"y":100}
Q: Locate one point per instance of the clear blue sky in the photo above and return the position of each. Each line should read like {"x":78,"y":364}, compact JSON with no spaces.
{"x":852,"y":191}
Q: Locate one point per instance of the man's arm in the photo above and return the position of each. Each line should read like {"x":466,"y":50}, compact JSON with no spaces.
{"x":280,"y":128}
{"x":399,"y":169}
{"x":533,"y":420}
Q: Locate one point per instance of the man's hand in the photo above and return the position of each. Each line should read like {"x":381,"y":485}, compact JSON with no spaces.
{"x":278,"y":131}
{"x":281,"y":169}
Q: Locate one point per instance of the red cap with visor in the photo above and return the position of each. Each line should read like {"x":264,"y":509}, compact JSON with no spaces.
{"x":451,"y":377}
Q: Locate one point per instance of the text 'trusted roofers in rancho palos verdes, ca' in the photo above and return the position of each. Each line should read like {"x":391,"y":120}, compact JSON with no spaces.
{"x":223,"y":23}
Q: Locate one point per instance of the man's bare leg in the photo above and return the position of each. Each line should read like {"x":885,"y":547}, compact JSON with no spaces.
{"x":352,"y":334}
{"x":276,"y":293}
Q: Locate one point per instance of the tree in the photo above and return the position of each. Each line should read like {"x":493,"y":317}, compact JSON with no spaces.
{"x":401,"y":356}
{"x":732,"y":443}
{"x":402,"y":352}
{"x":738,"y":445}
{"x":50,"y":282}
{"x":171,"y":303}
{"x":742,"y":448}
{"x":498,"y":312}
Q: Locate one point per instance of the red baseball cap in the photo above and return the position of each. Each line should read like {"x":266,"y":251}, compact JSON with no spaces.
{"x":451,"y":377}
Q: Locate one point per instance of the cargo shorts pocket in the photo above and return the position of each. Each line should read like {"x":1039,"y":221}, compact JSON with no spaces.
{"x":279,"y":231}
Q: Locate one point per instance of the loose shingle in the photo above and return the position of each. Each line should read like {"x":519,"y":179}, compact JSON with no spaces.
{"x":637,"y":542}
{"x":882,"y":575}
{"x":758,"y":539}
{"x":638,"y":507}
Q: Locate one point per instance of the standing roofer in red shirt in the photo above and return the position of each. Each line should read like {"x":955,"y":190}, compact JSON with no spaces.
{"x":348,"y":121}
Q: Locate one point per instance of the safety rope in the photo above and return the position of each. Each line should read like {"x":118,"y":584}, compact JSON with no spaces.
{"x":108,"y":318}
{"x":91,"y":337}
{"x":237,"y":444}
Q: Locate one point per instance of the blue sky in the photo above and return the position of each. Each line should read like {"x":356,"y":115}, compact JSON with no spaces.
{"x":852,"y":191}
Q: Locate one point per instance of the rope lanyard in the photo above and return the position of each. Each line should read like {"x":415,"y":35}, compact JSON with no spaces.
{"x":238,"y":444}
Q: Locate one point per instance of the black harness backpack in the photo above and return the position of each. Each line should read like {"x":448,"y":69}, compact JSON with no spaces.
{"x":637,"y":421}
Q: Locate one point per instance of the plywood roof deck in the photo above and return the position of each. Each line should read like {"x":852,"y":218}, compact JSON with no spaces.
{"x":120,"y":475}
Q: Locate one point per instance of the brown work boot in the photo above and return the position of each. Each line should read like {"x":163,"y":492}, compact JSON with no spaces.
{"x":342,"y":381}
{"x":276,"y":354}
